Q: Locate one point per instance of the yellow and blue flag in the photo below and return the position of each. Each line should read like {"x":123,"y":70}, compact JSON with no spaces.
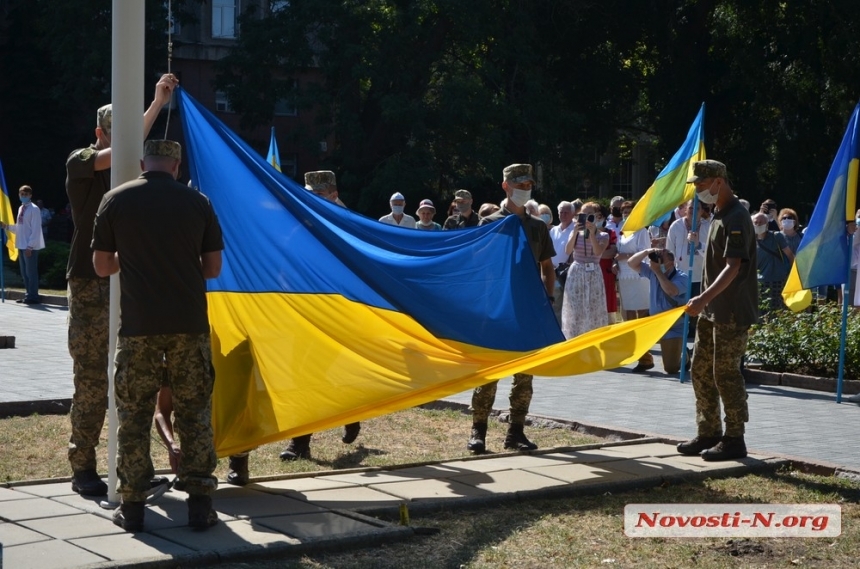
{"x":823,"y":257}
{"x":322,"y":316}
{"x":670,"y":189}
{"x":7,"y":216}
{"x":274,"y":156}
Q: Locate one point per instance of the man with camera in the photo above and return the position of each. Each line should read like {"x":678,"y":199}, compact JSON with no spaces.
{"x":668,"y":289}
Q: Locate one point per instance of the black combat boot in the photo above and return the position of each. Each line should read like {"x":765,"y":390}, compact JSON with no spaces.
{"x":200,"y":512}
{"x":299,"y":447}
{"x":697,"y":445}
{"x":477,"y":442}
{"x":238,"y":475}
{"x":516,"y":439}
{"x":350,"y":433}
{"x":88,"y":483}
{"x":129,"y":516}
{"x":729,"y":448}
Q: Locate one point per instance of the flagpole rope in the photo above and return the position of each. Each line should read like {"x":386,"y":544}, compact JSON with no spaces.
{"x":169,"y":59}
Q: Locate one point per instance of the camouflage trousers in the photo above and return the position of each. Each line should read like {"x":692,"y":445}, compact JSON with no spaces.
{"x":139,"y":375}
{"x":716,"y":373}
{"x":521,"y":397}
{"x":88,"y":345}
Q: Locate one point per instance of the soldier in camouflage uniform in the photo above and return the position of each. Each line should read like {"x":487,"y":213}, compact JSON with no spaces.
{"x":163,"y":320}
{"x":87,"y":180}
{"x":728,"y":306}
{"x":517,"y":184}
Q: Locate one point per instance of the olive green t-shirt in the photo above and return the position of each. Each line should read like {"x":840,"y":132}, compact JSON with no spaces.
{"x":536,"y":231}
{"x":85,"y":187}
{"x":732,"y":236}
{"x":159,"y":228}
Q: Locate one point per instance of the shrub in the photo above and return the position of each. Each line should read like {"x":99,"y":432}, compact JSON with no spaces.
{"x":807,"y":342}
{"x":52,"y":264}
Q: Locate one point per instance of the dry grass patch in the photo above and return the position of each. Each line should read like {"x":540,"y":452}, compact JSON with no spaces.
{"x":35,"y":447}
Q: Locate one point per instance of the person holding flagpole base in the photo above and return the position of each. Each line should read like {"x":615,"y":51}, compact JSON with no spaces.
{"x":87,"y":181}
{"x":164,"y":323}
{"x":727,"y":307}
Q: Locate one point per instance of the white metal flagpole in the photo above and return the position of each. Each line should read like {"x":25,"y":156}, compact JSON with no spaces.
{"x":127,"y":45}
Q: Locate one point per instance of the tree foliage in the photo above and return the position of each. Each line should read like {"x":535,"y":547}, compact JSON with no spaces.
{"x":424,"y":96}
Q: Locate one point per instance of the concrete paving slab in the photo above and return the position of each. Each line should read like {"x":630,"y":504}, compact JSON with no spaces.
{"x":702,"y":465}
{"x":642,"y":450}
{"x":71,"y":527}
{"x":482,"y":465}
{"x":419,"y":490}
{"x":527,"y":460}
{"x":51,"y":490}
{"x":32,"y":508}
{"x":356,"y":498}
{"x":645,"y":468}
{"x":54,"y":554}
{"x":299,"y":485}
{"x":131,"y":546}
{"x":319,"y":525}
{"x":263,"y":506}
{"x":372,"y":477}
{"x":509,"y":481}
{"x":582,"y":474}
{"x":15,"y":534}
{"x":8,"y":494}
{"x":226,"y":537}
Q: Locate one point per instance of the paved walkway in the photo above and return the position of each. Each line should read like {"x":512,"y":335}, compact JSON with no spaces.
{"x":46,"y":525}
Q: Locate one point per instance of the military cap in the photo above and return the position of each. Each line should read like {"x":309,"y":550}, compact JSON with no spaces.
{"x":166,"y":148}
{"x":320,"y":180}
{"x":104,"y":118}
{"x":397,"y":196}
{"x":518,"y":173}
{"x":426,"y":204}
{"x":707,"y":169}
{"x":463,"y":194}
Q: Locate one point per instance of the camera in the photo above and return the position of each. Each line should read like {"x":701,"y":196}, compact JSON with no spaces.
{"x":583,"y":217}
{"x":655,"y":256}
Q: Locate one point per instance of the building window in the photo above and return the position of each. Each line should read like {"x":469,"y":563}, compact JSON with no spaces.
{"x":173,"y":27}
{"x":222,"y":103}
{"x":285,"y":108}
{"x":276,"y":6}
{"x":289,"y":165}
{"x":223,"y":18}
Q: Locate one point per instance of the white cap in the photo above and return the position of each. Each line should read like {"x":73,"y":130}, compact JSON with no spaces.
{"x":397,"y":196}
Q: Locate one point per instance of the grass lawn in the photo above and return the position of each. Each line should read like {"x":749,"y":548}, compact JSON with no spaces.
{"x":585,"y":531}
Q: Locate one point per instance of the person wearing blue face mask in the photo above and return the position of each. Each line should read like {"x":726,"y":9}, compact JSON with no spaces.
{"x":397,"y":217}
{"x":29,"y":241}
{"x":668,"y":289}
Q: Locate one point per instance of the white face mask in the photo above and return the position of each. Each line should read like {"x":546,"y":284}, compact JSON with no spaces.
{"x":759,"y":229}
{"x":705,"y":196}
{"x":547,"y":218}
{"x":397,"y":209}
{"x":788,"y":224}
{"x":520,"y":197}
{"x":426,"y":223}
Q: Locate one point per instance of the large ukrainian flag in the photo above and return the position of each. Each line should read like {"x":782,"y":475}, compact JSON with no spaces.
{"x":670,"y":189}
{"x":823,"y":257}
{"x":6,"y":216}
{"x":322,"y":316}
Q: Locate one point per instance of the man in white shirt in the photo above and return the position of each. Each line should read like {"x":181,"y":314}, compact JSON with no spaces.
{"x":29,"y":241}
{"x":680,"y":236}
{"x":559,"y":235}
{"x":397,"y":217}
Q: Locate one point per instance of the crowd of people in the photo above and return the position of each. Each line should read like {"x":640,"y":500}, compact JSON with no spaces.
{"x":712,"y":259}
